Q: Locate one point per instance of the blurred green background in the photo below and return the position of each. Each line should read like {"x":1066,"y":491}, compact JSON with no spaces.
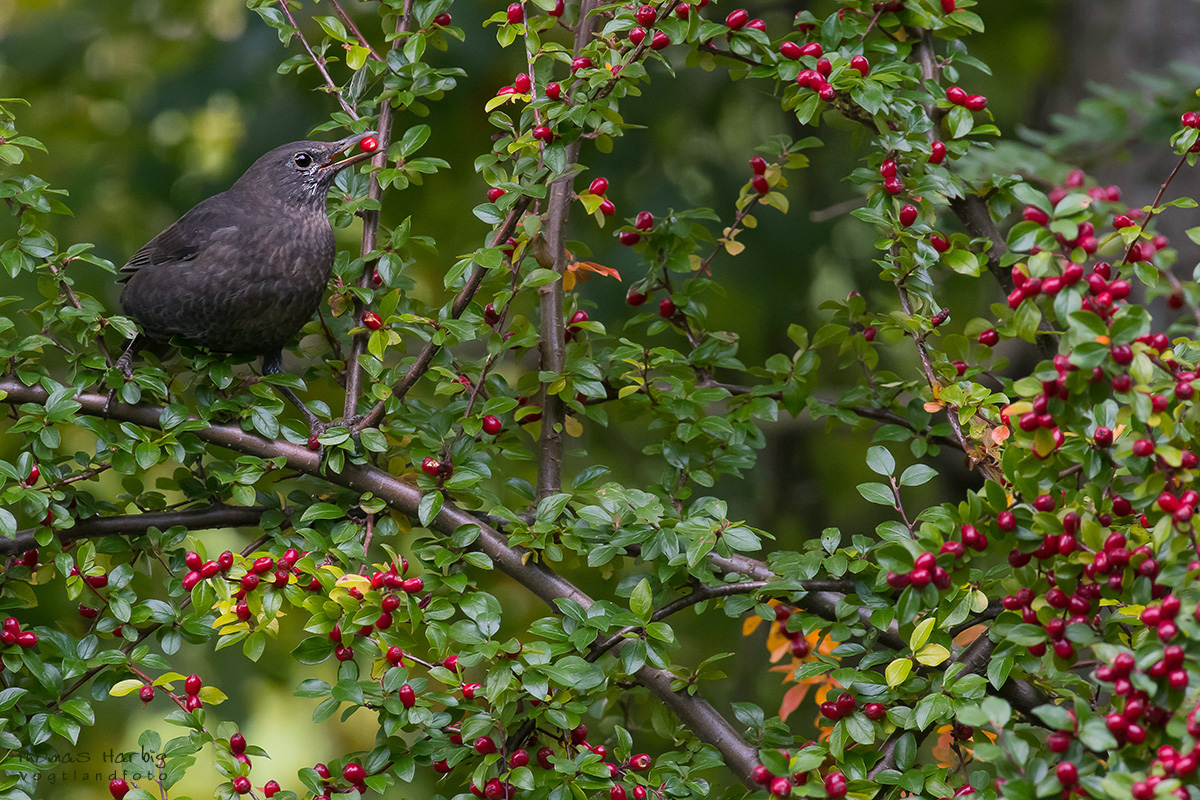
{"x":148,"y":106}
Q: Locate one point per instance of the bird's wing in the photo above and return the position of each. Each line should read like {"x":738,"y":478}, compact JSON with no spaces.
{"x":207,"y":224}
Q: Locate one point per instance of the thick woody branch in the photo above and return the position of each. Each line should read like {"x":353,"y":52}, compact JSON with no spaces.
{"x":693,"y":711}
{"x":198,"y":519}
{"x":550,"y":300}
{"x":370,"y":235}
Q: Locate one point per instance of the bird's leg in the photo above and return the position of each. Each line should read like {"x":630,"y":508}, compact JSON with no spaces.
{"x":125,"y":364}
{"x":272,"y":364}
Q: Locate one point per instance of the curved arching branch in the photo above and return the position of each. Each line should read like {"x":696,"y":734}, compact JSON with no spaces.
{"x":694,"y":711}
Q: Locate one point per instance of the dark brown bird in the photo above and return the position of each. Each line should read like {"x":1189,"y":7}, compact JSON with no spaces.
{"x":245,"y":269}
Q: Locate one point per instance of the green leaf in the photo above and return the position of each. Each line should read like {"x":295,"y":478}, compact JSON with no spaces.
{"x":880,"y":460}
{"x":641,"y":601}
{"x":878,"y":494}
{"x":960,"y":121}
{"x":917,"y":474}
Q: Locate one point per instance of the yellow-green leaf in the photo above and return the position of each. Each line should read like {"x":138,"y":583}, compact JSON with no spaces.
{"x":932,"y":654}
{"x":920,"y":634}
{"x":898,"y":671}
{"x":123,"y":688}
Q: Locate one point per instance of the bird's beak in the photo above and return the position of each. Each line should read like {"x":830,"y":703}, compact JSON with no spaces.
{"x":346,"y":144}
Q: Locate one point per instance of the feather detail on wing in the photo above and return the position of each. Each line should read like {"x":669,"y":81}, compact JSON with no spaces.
{"x":207,"y":225}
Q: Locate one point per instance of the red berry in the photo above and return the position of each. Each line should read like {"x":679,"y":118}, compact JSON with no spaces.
{"x":1035,"y":214}
{"x":237,"y":744}
{"x":372,"y":320}
{"x":948,"y":6}
{"x":759,"y":184}
{"x":875,"y":711}
{"x":893,"y":185}
{"x":646,"y":15}
{"x":736,"y":20}
{"x":241,"y":784}
{"x":271,"y":788}
{"x":940,"y":243}
{"x":469,"y":690}
{"x":908,"y":215}
{"x":599,"y":187}
{"x":553,"y":91}
{"x":644,"y":221}
{"x":629,"y":238}
{"x":146,"y":694}
{"x":1143,"y":448}
{"x":412,"y":585}
{"x":516,"y":13}
{"x":640,"y":762}
{"x":1067,"y":775}
{"x":441,"y":20}
{"x":956,"y":95}
{"x":666,"y":308}
{"x":781,"y":787}
{"x":635,"y":298}
{"x":354,"y":772}
{"x":583,"y":62}
{"x":491,"y":425}
{"x":484,"y":745}
{"x":975,"y":102}
{"x":543,"y":134}
{"x":937,"y":152}
{"x":407,"y":695}
{"x":431,"y":466}
{"x":790,"y":50}
{"x":812,"y":49}
{"x":369,"y":144}
{"x":989,"y":337}
{"x":607,"y":208}
{"x":761,"y":775}
{"x":118,"y":788}
{"x":861,"y":64}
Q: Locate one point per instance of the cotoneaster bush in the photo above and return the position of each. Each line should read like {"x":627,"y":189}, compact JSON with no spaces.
{"x":1033,"y":637}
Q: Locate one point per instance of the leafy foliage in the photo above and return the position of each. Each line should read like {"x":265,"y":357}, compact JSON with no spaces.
{"x":1041,"y":619}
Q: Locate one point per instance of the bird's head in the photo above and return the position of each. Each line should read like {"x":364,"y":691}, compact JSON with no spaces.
{"x":301,"y":172}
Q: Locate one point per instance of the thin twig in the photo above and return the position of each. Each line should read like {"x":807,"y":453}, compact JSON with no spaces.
{"x":318,"y":62}
{"x":461,"y":300}
{"x":358,"y":34}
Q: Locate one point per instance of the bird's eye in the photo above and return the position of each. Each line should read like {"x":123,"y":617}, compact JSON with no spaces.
{"x":302,"y":160}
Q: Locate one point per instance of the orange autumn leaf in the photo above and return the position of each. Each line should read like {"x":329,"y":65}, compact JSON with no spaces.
{"x":791,"y":700}
{"x":579,"y":272}
{"x":969,"y":635}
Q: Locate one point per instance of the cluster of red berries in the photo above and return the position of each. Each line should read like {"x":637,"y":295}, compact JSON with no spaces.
{"x":816,"y":78}
{"x":11,"y":634}
{"x":498,"y":789}
{"x":646,"y":17}
{"x":800,"y":646}
{"x":925,"y":571}
{"x":972,"y":102}
{"x":256,"y":572}
{"x":643,"y":222}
